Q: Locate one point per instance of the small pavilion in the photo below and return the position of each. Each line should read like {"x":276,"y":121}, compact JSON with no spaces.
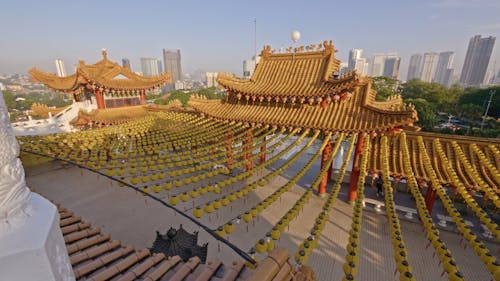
{"x":105,"y":83}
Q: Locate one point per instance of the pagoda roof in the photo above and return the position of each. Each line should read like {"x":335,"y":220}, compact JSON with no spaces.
{"x":359,"y":113}
{"x":103,"y":74}
{"x":307,"y":72}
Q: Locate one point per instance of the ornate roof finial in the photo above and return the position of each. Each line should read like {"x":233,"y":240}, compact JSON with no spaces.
{"x":104,"y":54}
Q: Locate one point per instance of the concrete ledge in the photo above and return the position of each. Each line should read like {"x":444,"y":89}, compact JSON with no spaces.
{"x":36,"y":250}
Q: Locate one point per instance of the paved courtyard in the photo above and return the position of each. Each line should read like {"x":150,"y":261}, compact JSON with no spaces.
{"x":134,"y":218}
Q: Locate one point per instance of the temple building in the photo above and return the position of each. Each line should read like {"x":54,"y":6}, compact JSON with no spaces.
{"x":105,"y":83}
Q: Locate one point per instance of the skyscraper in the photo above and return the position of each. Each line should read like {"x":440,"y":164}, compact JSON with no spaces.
{"x":377,"y":65}
{"x":149,"y":66}
{"x":354,"y":55}
{"x":429,"y":66}
{"x":172,"y":62}
{"x":211,"y":79}
{"x":477,"y":60}
{"x":444,"y":68}
{"x":126,"y":63}
{"x":248,"y":68}
{"x":391,"y":66}
{"x":415,"y":68}
{"x":60,"y":68}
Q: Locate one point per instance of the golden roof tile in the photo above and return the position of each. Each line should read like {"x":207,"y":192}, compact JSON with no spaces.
{"x":303,"y":74}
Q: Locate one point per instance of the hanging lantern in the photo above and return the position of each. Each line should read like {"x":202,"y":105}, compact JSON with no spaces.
{"x":311,"y":101}
{"x":261,"y":98}
{"x":277,"y":99}
{"x":336,"y":98}
{"x":247,"y":97}
{"x":254,"y":98}
{"x":348,"y":95}
{"x":284,"y":99}
{"x":293,"y":99}
{"x":328,"y":99}
{"x":302,"y":99}
{"x":319,"y":100}
{"x":268,"y":98}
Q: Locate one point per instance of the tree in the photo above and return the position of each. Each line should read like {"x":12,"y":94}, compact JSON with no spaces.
{"x":385,"y":87}
{"x":480,"y":97}
{"x":10,"y":100}
{"x":427,"y":118}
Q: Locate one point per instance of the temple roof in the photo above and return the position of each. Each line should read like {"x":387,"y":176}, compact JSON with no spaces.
{"x":359,"y":113}
{"x":95,"y":256}
{"x":103,"y":74}
{"x":306,"y":73}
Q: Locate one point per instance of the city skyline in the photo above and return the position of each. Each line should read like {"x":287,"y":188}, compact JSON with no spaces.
{"x":221,"y":43}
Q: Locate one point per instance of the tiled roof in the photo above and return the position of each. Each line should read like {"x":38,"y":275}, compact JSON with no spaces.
{"x":302,"y":74}
{"x":95,"y":256}
{"x":104,"y":73}
{"x":360,"y":113}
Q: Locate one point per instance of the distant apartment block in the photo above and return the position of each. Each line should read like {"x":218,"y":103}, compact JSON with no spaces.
{"x":149,"y":66}
{"x":415,"y":67}
{"x":211,"y":78}
{"x":429,"y":66}
{"x":391,"y":66}
{"x":126,"y":63}
{"x":61,"y":72}
{"x":476,"y":61}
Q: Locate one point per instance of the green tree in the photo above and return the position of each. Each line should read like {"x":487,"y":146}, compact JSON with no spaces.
{"x":480,"y":97}
{"x":385,"y":87}
{"x":10,"y":100}
{"x":427,"y":118}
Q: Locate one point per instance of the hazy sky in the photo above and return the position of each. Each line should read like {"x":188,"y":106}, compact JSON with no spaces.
{"x":218,"y":35}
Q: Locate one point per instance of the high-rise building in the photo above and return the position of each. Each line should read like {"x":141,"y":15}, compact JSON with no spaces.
{"x":415,"y":68}
{"x":61,"y":72}
{"x":160,"y":66}
{"x":361,"y":65}
{"x":343,"y":67}
{"x":172,"y":63}
{"x":354,"y":55}
{"x":126,"y":63}
{"x":429,"y":66}
{"x":248,"y":68}
{"x":476,"y":61}
{"x":149,"y":66}
{"x":444,"y":68}
{"x":211,"y":79}
{"x":391,"y":66}
{"x":377,"y":65}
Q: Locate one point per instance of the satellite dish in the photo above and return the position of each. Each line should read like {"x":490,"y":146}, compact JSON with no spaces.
{"x":295,"y":36}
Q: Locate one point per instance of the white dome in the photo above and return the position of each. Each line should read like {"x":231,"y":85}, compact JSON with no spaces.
{"x":295,"y":36}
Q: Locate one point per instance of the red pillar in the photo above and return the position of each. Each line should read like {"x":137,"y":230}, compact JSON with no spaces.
{"x":324,"y":157}
{"x":249,"y":150}
{"x":99,"y":98}
{"x":353,"y":182}
{"x":263,"y":154}
{"x":142,"y":97}
{"x":430,"y":198}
